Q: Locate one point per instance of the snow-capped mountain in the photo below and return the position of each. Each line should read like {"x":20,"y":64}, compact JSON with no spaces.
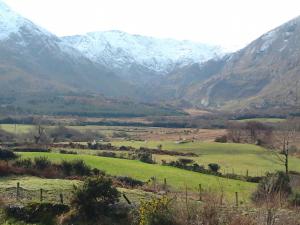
{"x":33,"y":59}
{"x":121,"y":50}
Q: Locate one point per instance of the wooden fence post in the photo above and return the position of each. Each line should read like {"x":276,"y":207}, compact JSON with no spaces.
{"x":18,"y":191}
{"x":61,"y":196}
{"x":165,"y":184}
{"x":41,"y":195}
{"x":127,"y":200}
{"x":236,"y":199}
{"x":200,"y":192}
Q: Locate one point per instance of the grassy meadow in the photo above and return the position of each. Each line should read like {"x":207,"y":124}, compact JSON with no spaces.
{"x":176,"y":178}
{"x":233,"y":158}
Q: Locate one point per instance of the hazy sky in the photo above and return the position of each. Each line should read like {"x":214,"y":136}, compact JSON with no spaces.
{"x":229,"y":23}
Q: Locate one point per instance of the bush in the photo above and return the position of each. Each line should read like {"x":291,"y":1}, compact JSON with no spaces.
{"x":156,"y":212}
{"x":66,"y":167}
{"x":95,"y":198}
{"x":24,"y":163}
{"x":272,"y":185}
{"x":62,"y":151}
{"x":44,"y":213}
{"x":76,"y":167}
{"x":145,"y":156}
{"x":7,"y":155}
{"x":222,"y":139}
{"x":107,"y":154}
{"x":130,"y":181}
{"x":80,"y":168}
{"x":185,"y":161}
{"x":42,"y":163}
{"x":294,"y":199}
{"x":214,"y":167}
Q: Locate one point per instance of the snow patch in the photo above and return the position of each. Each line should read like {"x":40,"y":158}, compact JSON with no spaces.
{"x":119,"y":49}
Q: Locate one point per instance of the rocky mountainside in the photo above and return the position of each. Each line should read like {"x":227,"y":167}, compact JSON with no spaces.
{"x":264,"y":74}
{"x":140,"y":58}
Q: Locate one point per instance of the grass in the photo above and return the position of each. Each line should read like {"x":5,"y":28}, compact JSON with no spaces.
{"x":232,"y":157}
{"x":177,"y":178}
{"x":52,"y":188}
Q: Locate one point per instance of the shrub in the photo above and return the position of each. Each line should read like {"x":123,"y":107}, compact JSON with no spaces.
{"x":62,"y":151}
{"x":107,"y":154}
{"x":294,"y":199}
{"x":156,"y":212}
{"x":24,"y":163}
{"x":272,"y":185}
{"x":222,"y":139}
{"x":130,"y":181}
{"x":44,"y":213}
{"x":80,"y":168}
{"x":42,"y":163}
{"x":145,"y":156}
{"x":95,"y":197}
{"x":7,"y":155}
{"x":214,"y":167}
{"x":66,"y":167}
{"x":185,"y":161}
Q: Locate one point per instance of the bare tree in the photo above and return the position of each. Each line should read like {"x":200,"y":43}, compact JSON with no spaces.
{"x":282,"y":139}
{"x":235,"y":132}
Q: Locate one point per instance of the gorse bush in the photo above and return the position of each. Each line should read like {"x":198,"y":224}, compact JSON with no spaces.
{"x":272,"y":185}
{"x":42,"y":163}
{"x":95,"y":198}
{"x":24,"y":163}
{"x":157,"y":211}
{"x":76,"y":167}
{"x":7,"y":155}
{"x":145,"y":156}
{"x":214,"y":167}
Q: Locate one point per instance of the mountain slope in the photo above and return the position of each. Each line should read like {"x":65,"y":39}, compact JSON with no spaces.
{"x":264,"y":74}
{"x":140,"y":58}
{"x":32,"y":59}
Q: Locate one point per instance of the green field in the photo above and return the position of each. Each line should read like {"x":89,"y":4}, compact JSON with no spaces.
{"x":52,"y":188}
{"x":232,"y":157}
{"x":176,"y":178}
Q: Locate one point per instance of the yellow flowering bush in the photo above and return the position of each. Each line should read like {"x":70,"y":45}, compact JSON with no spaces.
{"x":156,"y":212}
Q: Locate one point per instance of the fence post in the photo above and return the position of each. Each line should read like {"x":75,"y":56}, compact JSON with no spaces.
{"x":236,"y":199}
{"x":127,"y":200}
{"x":200,"y":192}
{"x":18,"y":191}
{"x":41,"y":195}
{"x":61,"y":196}
{"x":247,"y":173}
{"x":165,"y":184}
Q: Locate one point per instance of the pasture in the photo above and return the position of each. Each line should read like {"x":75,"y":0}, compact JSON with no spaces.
{"x":233,"y":158}
{"x":178,"y":179}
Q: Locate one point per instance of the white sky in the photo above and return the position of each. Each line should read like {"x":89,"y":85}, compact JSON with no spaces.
{"x":229,"y":23}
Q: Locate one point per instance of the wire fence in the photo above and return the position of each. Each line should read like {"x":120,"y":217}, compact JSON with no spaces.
{"x":18,"y":194}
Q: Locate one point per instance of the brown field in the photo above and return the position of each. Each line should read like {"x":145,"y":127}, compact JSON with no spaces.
{"x":173,"y":134}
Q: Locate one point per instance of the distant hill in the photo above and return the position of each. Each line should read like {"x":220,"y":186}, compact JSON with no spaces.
{"x":265,"y":74}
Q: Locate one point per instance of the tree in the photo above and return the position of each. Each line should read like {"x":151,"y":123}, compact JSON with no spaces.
{"x":282,"y":139}
{"x":235,"y":131}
